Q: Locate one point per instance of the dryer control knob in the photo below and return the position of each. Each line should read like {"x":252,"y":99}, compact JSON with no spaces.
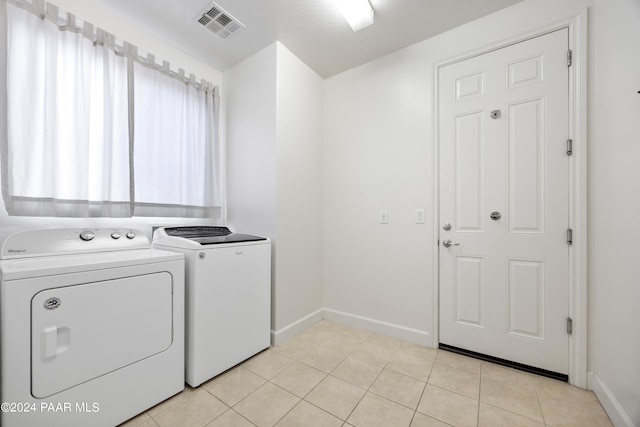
{"x":87,"y":235}
{"x":115,"y":235}
{"x":131,"y":235}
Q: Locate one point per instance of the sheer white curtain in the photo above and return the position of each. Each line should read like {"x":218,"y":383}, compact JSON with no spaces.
{"x":93,"y":129}
{"x":67,"y":124}
{"x":174,"y":121}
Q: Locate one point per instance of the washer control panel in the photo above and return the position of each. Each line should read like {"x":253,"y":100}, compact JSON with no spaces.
{"x":62,"y":241}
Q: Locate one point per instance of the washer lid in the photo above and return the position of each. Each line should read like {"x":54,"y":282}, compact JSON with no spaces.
{"x":207,"y":235}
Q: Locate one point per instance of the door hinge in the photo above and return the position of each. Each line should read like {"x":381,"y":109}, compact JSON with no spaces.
{"x":569,"y":147}
{"x":569,"y":58}
{"x":569,"y":325}
{"x":569,"y":236}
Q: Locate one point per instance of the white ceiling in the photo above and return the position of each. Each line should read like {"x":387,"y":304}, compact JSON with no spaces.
{"x":314,"y":30}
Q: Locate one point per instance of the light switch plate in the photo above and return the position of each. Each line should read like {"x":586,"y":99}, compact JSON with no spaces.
{"x":384,"y":216}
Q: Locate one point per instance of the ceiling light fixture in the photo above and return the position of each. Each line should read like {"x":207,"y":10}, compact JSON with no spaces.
{"x":358,"y":13}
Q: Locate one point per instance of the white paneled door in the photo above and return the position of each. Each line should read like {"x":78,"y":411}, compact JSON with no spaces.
{"x":504,"y":203}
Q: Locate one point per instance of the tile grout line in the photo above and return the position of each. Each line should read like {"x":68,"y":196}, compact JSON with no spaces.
{"x":509,"y":410}
{"x":535,"y":386}
{"x":479,"y":393}
{"x":415,"y":411}
{"x":425,"y":386}
{"x":301,"y":399}
{"x":365,"y":393}
{"x":229,"y":407}
{"x":368,"y":390}
{"x":315,"y":346}
{"x":336,"y":367}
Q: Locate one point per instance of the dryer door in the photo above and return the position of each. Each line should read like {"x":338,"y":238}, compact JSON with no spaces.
{"x":84,"y":331}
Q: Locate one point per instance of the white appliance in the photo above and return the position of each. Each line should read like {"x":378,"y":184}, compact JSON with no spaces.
{"x":228,"y":296}
{"x":92,"y":327}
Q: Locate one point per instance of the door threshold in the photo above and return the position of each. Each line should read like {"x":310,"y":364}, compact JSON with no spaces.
{"x":503,"y":362}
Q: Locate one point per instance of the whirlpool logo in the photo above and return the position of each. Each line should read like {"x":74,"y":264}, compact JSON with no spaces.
{"x":52,"y":303}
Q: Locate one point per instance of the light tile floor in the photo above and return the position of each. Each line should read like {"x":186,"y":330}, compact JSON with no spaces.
{"x":334,"y":375}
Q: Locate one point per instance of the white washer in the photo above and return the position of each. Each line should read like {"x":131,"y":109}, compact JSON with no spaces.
{"x":92,"y":327}
{"x":228,"y":294}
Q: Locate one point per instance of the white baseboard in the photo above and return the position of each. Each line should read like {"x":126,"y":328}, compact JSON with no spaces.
{"x":401,"y":332}
{"x":283,"y":334}
{"x":408,"y":334}
{"x":616,"y":412}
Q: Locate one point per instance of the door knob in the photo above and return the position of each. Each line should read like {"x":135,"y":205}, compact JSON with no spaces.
{"x":448,"y":243}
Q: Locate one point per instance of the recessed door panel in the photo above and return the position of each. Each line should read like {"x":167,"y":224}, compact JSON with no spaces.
{"x":526,"y":298}
{"x":526,"y":71}
{"x":81,"y":332}
{"x":525,"y":145}
{"x":470,"y":290}
{"x":471,"y":86}
{"x":469,"y":171}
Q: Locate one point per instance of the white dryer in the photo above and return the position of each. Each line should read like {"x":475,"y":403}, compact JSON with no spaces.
{"x":228,"y":296}
{"x":92,"y":327}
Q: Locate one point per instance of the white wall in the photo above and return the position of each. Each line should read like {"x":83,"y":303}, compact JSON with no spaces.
{"x":615,"y":210}
{"x":249,"y":100}
{"x":124,"y":29}
{"x":274,"y":140}
{"x":299,"y":191}
{"x":379,"y":155}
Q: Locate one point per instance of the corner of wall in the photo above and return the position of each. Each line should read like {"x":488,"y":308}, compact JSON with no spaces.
{"x":298,"y":197}
{"x":281,"y":335}
{"x":613,"y":408}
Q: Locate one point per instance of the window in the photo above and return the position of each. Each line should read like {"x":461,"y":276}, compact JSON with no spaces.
{"x":93,"y":129}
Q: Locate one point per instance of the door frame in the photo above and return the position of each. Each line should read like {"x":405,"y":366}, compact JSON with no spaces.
{"x":577,"y":26}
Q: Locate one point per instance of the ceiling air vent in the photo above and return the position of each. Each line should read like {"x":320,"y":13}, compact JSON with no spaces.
{"x":216,"y":19}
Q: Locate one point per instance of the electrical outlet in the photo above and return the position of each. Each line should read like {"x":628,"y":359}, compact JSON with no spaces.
{"x":419,"y":216}
{"x":384,"y":216}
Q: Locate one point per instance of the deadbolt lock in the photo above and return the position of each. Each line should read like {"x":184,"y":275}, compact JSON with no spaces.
{"x":446,"y":226}
{"x":495,"y":114}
